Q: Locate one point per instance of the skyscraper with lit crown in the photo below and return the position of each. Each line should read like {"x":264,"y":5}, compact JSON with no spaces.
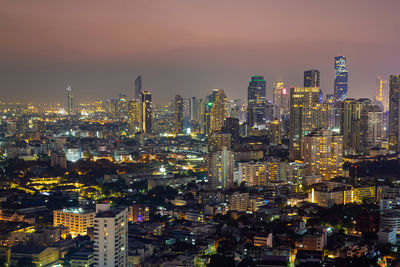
{"x":280,"y":96}
{"x":382,"y":92}
{"x":69,"y":100}
{"x":341,"y":78}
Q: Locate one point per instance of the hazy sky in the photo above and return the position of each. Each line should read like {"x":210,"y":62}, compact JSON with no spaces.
{"x":189,"y":47}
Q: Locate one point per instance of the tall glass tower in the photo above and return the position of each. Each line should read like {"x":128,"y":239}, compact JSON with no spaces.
{"x":256,"y":97}
{"x":394,"y":112}
{"x":146,"y":111}
{"x":341,"y":78}
{"x":138,"y":87}
{"x":69,"y":100}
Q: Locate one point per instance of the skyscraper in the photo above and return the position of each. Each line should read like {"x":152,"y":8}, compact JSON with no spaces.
{"x":146,"y":112}
{"x":323,"y":154}
{"x":275,"y":135}
{"x":196,"y":112}
{"x":218,"y":140}
{"x":394,"y":112}
{"x":111,"y":238}
{"x":341,"y":78}
{"x":218,"y":110}
{"x":231,"y":125}
{"x":178,"y":114}
{"x":253,"y":173}
{"x":279,"y":98}
{"x":133,"y":116}
{"x":311,"y":78}
{"x":304,"y":117}
{"x":220,"y":169}
{"x":122,"y":105}
{"x":69,"y":100}
{"x":256,"y":99}
{"x":348,"y":119}
{"x":138,"y":87}
{"x":371,"y":125}
{"x":382,"y":92}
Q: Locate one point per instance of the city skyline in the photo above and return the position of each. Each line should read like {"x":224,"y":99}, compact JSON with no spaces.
{"x":199,"y":133}
{"x":102,"y":51}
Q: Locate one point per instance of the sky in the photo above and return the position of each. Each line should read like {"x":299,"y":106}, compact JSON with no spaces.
{"x":189,"y":47}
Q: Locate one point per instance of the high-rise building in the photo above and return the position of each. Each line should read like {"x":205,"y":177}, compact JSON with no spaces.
{"x":382,"y":92}
{"x":195,"y":109}
{"x":122,"y":106}
{"x":218,"y":110}
{"x":394,"y":112}
{"x":311,"y":78}
{"x":133,"y":116}
{"x":69,"y":100}
{"x":348,"y":119}
{"x":256,"y":102}
{"x":178,"y":114}
{"x":138,"y":87}
{"x":278,"y":88}
{"x":285,"y":103}
{"x":196,"y":112}
{"x":218,"y":140}
{"x":304,"y":117}
{"x":220,"y":169}
{"x":371,"y":125}
{"x":323,"y":154}
{"x":361,"y":124}
{"x":269,"y":113}
{"x":276,"y":170}
{"x":239,"y":201}
{"x":208,"y":104}
{"x":111,"y":238}
{"x":341,"y":78}
{"x":275,"y":136}
{"x":231,"y":125}
{"x":253,"y":173}
{"x":113,"y":106}
{"x":146,"y":112}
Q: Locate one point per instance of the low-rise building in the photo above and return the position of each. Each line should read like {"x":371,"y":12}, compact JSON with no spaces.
{"x":38,"y":255}
{"x":82,"y":259}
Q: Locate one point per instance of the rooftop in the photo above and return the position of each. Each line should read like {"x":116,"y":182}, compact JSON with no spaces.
{"x":76,"y":210}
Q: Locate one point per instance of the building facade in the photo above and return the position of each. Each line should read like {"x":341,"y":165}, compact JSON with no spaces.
{"x":304,"y":117}
{"x":256,"y":102}
{"x":178,"y":114}
{"x":341,"y":78}
{"x":323,"y":154}
{"x":146,"y":112}
{"x":77,"y":220}
{"x":111,"y":238}
{"x":394,"y":112}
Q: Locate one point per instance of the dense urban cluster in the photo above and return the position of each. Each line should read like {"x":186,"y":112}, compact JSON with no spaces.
{"x":304,"y":179}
